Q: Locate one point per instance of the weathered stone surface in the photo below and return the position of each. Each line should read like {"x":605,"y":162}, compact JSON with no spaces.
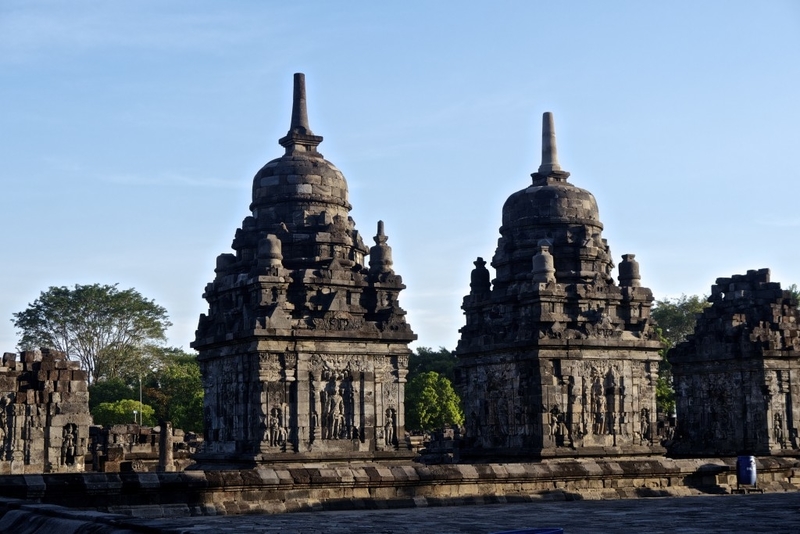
{"x":555,"y":359}
{"x":737,"y":378}
{"x":136,"y":448}
{"x":245,"y":491}
{"x":44,"y":414}
{"x":304,"y":350}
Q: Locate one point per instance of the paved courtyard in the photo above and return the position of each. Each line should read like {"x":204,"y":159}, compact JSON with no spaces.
{"x":774,"y":513}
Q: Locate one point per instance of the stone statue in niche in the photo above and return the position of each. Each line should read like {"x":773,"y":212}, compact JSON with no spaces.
{"x":558,"y":426}
{"x":777,"y":429}
{"x":68,"y":445}
{"x":276,"y":428}
{"x":336,"y":396}
{"x":389,"y":426}
{"x":645,"y":424}
{"x":598,"y":407}
{"x":334,"y":415}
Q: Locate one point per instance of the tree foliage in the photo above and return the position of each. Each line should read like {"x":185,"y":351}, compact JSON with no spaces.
{"x":104,"y":391}
{"x":665,"y":395}
{"x":171,"y":387}
{"x":432,"y":403}
{"x":795,"y":291}
{"x":175,"y":390}
{"x":121,"y":412}
{"x":107,"y":330}
{"x":676,"y":319}
{"x":425,"y":359}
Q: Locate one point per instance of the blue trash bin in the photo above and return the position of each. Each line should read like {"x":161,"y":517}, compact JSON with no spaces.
{"x":746,"y":471}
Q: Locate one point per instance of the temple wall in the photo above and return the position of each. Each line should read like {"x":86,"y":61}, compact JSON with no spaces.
{"x":737,"y":378}
{"x":44,"y":413}
{"x":316,"y":403}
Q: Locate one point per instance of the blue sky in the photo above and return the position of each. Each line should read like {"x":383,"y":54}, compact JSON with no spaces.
{"x":131,"y":132}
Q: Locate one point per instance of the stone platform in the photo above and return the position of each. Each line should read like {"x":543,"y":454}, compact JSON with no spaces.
{"x":279,"y":489}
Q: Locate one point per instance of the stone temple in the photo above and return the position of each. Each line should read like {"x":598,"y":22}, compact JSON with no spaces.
{"x":555,"y":359}
{"x":304,"y":350}
{"x":737,"y":378}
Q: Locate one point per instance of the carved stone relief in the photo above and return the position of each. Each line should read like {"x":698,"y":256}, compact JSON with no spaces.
{"x":736,"y":377}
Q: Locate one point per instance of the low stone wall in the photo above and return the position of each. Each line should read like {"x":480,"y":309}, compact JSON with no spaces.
{"x":276,"y":490}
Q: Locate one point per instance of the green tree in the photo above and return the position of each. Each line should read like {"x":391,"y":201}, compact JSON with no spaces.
{"x":676,"y":319}
{"x":105,"y":329}
{"x":104,"y":391}
{"x":432,"y":403}
{"x":175,"y":390}
{"x":795,"y":291}
{"x":122,"y":412}
{"x":665,"y":394}
{"x":425,"y":359}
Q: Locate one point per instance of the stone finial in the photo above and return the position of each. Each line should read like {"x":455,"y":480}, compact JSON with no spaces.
{"x":549,"y":149}
{"x":299,"y":110}
{"x":224,"y":262}
{"x":300,"y":138}
{"x":380,"y":256}
{"x":544,"y":270}
{"x":629,"y":271}
{"x":479,"y":279}
{"x":270,"y":251}
{"x":381,"y":237}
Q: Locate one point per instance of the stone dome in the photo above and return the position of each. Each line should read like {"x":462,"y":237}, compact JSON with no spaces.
{"x":302,"y":198}
{"x":301,"y":175}
{"x":551,"y":203}
{"x":554,"y":210}
{"x":298,"y":178}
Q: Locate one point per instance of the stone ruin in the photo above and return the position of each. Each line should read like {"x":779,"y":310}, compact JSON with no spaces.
{"x":736,"y":379}
{"x":46,"y":427}
{"x":136,"y":448}
{"x":555,"y":359}
{"x":44,"y":413}
{"x":304,"y":350}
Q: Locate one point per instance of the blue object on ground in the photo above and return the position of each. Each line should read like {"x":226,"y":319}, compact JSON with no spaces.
{"x":746,"y":470}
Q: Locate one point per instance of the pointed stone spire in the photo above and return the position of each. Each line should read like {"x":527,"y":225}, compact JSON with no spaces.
{"x":300,"y":138}
{"x":299,"y":111}
{"x":549,"y":149}
{"x":550,"y":170}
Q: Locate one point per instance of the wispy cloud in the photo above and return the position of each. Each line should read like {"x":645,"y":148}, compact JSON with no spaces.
{"x":173,"y":179}
{"x":28,"y":30}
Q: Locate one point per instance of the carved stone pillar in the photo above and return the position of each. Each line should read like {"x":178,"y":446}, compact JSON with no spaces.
{"x":165,"y":456}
